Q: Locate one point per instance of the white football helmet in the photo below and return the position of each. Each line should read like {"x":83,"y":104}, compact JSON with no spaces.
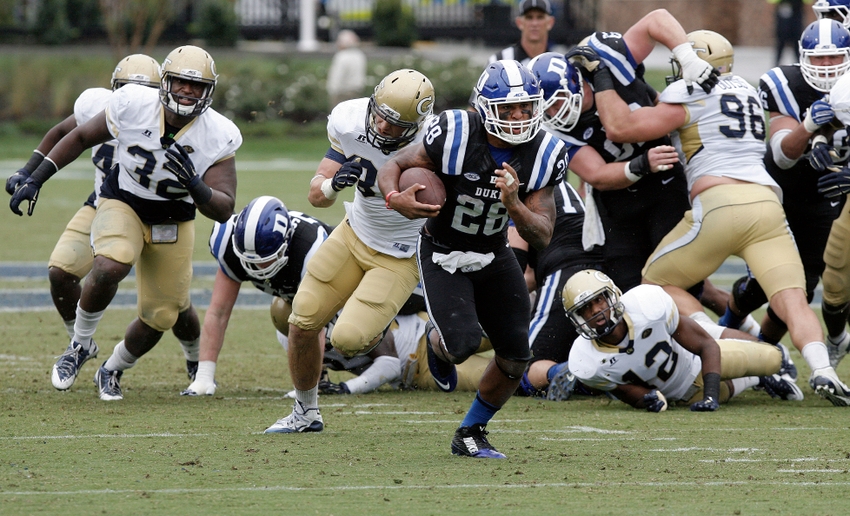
{"x":189,"y":63}
{"x":138,"y":69}
{"x":580,"y":290}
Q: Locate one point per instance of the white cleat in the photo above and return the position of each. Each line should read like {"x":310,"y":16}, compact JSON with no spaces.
{"x":301,"y":420}
{"x":827,"y":385}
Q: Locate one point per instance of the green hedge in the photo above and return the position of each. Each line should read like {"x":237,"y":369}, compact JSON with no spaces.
{"x":38,"y":88}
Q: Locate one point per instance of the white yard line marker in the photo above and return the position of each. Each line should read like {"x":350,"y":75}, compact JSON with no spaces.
{"x":698,"y":484}
{"x":96,"y":436}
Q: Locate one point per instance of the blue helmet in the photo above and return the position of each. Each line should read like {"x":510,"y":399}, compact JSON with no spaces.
{"x":560,"y":82}
{"x":509,"y":82}
{"x":824,"y":38}
{"x":261,"y":237}
{"x":838,"y":10}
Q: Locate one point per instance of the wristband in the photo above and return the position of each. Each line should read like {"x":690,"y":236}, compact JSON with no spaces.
{"x":328,"y":190}
{"x":602,"y":80}
{"x":629,"y":175}
{"x":819,"y":139}
{"x":201,"y":192}
{"x":44,"y":171}
{"x":34,"y":161}
{"x":387,"y":198}
{"x":711,"y":386}
{"x":637,"y":168}
{"x":810,"y":124}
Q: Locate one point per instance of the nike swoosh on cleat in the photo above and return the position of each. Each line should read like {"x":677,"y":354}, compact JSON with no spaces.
{"x":834,"y":203}
{"x":442,"y":385}
{"x":665,"y":181}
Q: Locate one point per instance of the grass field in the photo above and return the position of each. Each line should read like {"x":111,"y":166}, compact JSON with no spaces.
{"x":388,"y":452}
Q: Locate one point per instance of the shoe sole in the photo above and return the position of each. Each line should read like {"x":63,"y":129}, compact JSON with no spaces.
{"x":481,"y":454}
{"x":312,"y":427}
{"x":827,"y":394}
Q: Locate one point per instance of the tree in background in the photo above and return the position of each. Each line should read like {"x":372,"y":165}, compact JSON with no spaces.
{"x":134,"y":26}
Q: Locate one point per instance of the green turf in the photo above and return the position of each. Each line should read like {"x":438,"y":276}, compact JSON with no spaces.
{"x":384,"y":453}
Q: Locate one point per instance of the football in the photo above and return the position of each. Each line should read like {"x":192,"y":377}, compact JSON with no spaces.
{"x":434,"y":192}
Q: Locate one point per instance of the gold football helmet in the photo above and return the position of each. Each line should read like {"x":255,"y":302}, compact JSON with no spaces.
{"x":138,"y":69}
{"x":710,"y":47}
{"x":188,"y":63}
{"x":403,"y":98}
{"x":580,"y":290}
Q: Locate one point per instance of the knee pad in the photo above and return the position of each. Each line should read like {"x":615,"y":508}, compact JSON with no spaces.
{"x":748,"y":294}
{"x":350,"y":340}
{"x":513,"y":369}
{"x":160,"y":319}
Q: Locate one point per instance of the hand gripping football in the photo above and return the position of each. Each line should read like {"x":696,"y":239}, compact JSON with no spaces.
{"x":434,"y":192}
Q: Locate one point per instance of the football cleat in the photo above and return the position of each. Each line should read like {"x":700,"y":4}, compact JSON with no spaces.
{"x":787,"y":369}
{"x":471,"y":441}
{"x":562,"y":385}
{"x":68,"y":365}
{"x":191,"y":369}
{"x":326,"y":386}
{"x":836,"y":350}
{"x":301,"y":420}
{"x":107,"y":383}
{"x":827,"y":385}
{"x":780,"y":387}
{"x":445,"y":381}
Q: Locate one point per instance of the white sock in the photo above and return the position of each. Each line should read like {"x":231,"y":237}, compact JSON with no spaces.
{"x":751,"y":326}
{"x":383,"y":369}
{"x":310,"y":399}
{"x":837,"y":340}
{"x":742,"y":384}
{"x":206,"y":371}
{"x":85,"y":326}
{"x":191,"y":348}
{"x":69,"y":327}
{"x":120,"y":359}
{"x":816,"y":355}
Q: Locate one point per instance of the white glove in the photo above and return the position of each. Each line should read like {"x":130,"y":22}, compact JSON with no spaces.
{"x":694,"y":69}
{"x":204,"y":384}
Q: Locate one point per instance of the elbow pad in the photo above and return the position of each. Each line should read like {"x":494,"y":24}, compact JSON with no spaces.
{"x":781,"y":160}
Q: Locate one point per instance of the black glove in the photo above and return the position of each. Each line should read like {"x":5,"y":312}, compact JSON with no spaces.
{"x":654,"y":401}
{"x":180,"y":164}
{"x":820,"y":158}
{"x":835,"y":184}
{"x":16,"y":180}
{"x":708,"y":404}
{"x":347,"y":175}
{"x":28,"y":191}
{"x":593,"y":68}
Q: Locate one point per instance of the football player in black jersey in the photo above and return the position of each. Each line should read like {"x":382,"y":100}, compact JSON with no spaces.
{"x":793,"y":95}
{"x":635,"y":215}
{"x":496,"y":164}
